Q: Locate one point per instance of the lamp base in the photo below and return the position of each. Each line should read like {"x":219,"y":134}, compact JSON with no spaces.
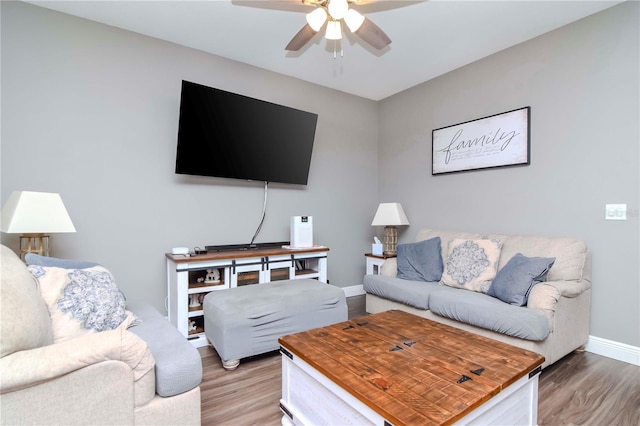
{"x":34,"y":243}
{"x":390,"y":240}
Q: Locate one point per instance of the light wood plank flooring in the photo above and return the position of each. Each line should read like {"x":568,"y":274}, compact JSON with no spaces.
{"x":581,"y":389}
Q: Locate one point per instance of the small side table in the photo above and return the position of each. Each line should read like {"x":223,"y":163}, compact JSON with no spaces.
{"x":374,"y":262}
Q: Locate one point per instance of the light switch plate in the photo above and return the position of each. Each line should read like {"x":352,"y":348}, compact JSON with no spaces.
{"x":615,"y":211}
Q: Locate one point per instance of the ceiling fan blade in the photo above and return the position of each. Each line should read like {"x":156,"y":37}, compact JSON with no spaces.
{"x":288,"y":5}
{"x":300,"y":39}
{"x":372,"y":34}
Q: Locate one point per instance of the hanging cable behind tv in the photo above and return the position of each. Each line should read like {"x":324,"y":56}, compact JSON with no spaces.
{"x":252,"y":245}
{"x":264,"y":214}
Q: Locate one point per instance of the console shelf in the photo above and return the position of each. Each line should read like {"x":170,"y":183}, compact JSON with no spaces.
{"x":187,"y":285}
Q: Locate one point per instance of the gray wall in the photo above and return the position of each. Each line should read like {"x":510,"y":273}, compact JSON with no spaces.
{"x":91,"y":112}
{"x":582,"y":83}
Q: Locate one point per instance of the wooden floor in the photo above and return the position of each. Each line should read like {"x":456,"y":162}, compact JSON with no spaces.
{"x":581,"y":389}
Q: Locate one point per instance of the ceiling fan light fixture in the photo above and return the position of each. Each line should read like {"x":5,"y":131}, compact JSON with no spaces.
{"x":354,"y":20}
{"x":338,"y":8}
{"x":334,"y":30}
{"x":328,"y":17}
{"x":317,"y":18}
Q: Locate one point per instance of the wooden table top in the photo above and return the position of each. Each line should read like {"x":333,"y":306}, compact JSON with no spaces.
{"x":409,"y":369}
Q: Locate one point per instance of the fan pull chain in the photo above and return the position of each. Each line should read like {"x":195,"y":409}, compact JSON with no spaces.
{"x":335,"y":44}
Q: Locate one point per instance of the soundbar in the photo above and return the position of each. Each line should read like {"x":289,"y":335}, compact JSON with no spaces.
{"x":227,"y":247}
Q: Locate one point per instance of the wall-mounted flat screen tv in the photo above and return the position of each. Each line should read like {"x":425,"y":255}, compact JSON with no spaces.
{"x":224,"y":134}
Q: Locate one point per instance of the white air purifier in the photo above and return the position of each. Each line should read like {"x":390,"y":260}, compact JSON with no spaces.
{"x":301,"y":231}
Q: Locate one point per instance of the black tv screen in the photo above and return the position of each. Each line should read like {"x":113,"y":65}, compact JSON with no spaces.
{"x":228,"y":135}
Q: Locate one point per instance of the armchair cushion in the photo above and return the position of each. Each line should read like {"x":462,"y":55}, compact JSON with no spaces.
{"x":19,"y":302}
{"x":81,"y":301}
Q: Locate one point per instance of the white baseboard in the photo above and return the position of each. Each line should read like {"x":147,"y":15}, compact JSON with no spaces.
{"x":354,"y":290}
{"x":615,"y":350}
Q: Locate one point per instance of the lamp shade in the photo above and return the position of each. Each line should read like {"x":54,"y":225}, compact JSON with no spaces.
{"x":27,"y":212}
{"x":390,"y":214}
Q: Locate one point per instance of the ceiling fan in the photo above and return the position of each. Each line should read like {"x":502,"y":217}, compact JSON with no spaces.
{"x":334,"y":15}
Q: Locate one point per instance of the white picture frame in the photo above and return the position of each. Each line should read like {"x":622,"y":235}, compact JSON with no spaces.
{"x":498,"y":140}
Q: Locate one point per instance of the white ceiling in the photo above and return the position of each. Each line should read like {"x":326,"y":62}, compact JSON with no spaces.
{"x":429,"y":38}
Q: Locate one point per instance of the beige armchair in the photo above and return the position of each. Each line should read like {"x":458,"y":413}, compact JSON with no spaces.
{"x":106,"y":377}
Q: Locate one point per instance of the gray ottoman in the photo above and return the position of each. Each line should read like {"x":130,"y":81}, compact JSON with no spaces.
{"x":248,"y":320}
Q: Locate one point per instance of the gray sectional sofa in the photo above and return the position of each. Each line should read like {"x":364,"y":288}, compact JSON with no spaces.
{"x":555,"y":313}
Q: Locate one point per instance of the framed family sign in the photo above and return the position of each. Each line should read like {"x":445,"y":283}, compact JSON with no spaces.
{"x":495,"y":141}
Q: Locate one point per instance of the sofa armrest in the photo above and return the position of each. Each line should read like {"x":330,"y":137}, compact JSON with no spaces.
{"x":570,"y":288}
{"x":178,"y":362}
{"x":100,"y":394}
{"x":389,"y":267}
{"x":545,"y":296}
{"x":30,"y":367}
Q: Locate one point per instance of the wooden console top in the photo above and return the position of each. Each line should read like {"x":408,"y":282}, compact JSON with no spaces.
{"x":236,"y":254}
{"x":411,"y":370}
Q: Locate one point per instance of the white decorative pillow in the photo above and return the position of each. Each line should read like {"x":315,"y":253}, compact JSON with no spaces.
{"x":472,"y":264}
{"x":81,"y":301}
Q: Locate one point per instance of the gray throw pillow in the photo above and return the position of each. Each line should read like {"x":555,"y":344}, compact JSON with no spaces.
{"x":37,"y":260}
{"x":421,"y":261}
{"x":513,"y":282}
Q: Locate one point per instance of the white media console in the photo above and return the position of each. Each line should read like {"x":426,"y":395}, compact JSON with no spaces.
{"x":191,"y":278}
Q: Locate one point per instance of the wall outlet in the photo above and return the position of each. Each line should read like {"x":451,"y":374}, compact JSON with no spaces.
{"x":615,"y":211}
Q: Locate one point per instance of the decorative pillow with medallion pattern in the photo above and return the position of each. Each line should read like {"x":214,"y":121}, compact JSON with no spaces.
{"x":472,"y":264}
{"x":81,"y":301}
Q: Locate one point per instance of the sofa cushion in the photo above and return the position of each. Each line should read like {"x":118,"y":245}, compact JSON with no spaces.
{"x":445,"y":238}
{"x":472,"y":264}
{"x":412,"y":293}
{"x":420,"y":261}
{"x":81,"y":301}
{"x":24,"y":318}
{"x":178,"y":362}
{"x":570,"y":253}
{"x":490,"y":313}
{"x":37,"y":260}
{"x":514,"y":281}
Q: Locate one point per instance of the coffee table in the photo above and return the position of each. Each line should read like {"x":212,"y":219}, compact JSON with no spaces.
{"x":395,"y":368}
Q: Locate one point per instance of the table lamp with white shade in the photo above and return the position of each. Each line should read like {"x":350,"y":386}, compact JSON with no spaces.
{"x":35,"y":215}
{"x":390,"y":215}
